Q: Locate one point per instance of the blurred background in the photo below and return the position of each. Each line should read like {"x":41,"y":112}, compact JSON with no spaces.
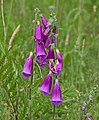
{"x":78,"y":42}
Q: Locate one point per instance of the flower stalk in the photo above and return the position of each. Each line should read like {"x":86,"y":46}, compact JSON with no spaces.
{"x":53,"y":115}
{"x":53,"y":112}
{"x":30,"y":97}
{"x":45,"y":44}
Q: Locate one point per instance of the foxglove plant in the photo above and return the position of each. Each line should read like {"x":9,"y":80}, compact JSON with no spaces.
{"x":47,"y":54}
{"x":54,"y":63}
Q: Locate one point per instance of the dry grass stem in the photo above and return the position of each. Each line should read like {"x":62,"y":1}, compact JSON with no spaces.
{"x":13,"y":36}
{"x":3,"y":22}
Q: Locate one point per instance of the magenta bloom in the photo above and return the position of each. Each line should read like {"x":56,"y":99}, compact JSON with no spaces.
{"x":46,"y":31}
{"x":51,"y":54}
{"x":42,"y":65}
{"x":53,"y":39}
{"x":44,"y":21}
{"x":59,"y":56}
{"x":46,"y":85}
{"x":38,"y":33}
{"x":28,"y":66}
{"x":57,"y":68}
{"x":83,"y":108}
{"x":48,"y":24}
{"x":90,"y":118}
{"x":56,"y":95}
{"x":47,"y":43}
{"x":40,"y":52}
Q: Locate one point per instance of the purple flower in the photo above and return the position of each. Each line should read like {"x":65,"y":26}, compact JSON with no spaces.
{"x":48,"y":24}
{"x":38,"y":33}
{"x":40,"y":52}
{"x":90,"y":118}
{"x":28,"y":66}
{"x":44,"y":21}
{"x":47,"y":42}
{"x":53,"y":39}
{"x":42,"y":65}
{"x":83,"y":108}
{"x":46,"y":31}
{"x":46,"y":85}
{"x":59,"y":56}
{"x":57,"y":68}
{"x":51,"y":54}
{"x":56,"y":95}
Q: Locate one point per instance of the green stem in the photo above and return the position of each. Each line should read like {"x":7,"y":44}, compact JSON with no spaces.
{"x":54,"y":108}
{"x":53,"y":115}
{"x":53,"y":112}
{"x":11,"y":102}
{"x":11,"y":4}
{"x":30,"y":96}
{"x":30,"y":89}
{"x":31,"y":81}
{"x":84,"y":115}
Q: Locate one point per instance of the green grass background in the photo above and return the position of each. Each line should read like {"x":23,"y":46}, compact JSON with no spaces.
{"x":78,"y":41}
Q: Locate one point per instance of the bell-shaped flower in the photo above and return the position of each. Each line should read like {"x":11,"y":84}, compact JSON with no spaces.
{"x":56,"y":94}
{"x":46,"y":85}
{"x":44,"y":21}
{"x":40,"y":52}
{"x":38,"y":33}
{"x":46,"y":31}
{"x":59,"y":56}
{"x":50,"y":54}
{"x":90,"y":118}
{"x":47,"y":43}
{"x":57,"y":68}
{"x":28,"y":66}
